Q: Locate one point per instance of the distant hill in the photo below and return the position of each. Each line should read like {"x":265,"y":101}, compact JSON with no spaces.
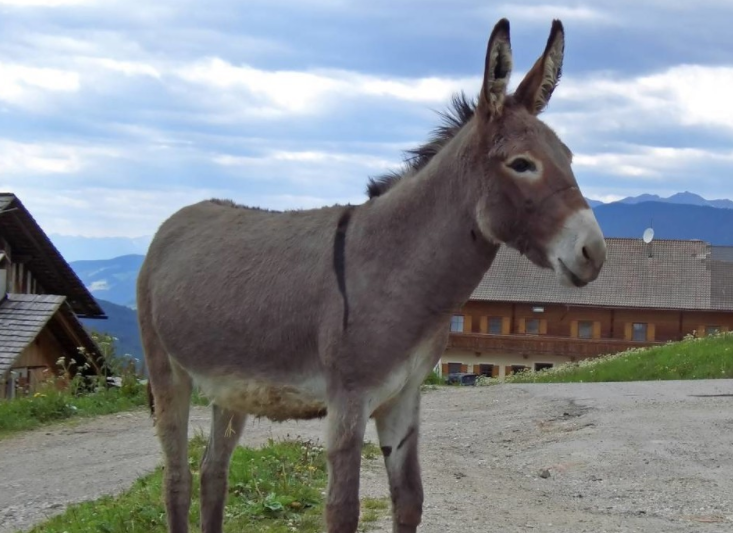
{"x":670,"y":221}
{"x":112,"y":280}
{"x":122,"y":324}
{"x":686,"y":198}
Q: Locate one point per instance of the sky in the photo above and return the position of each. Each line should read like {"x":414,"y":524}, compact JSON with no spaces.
{"x":114,"y":114}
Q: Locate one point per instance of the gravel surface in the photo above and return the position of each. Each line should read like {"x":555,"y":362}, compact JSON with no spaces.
{"x":652,"y":457}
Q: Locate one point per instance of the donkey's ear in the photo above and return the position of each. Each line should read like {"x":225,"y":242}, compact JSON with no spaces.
{"x":497,"y":71}
{"x":537,"y":86}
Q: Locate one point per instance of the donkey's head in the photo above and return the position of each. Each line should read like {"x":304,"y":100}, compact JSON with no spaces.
{"x":528,"y":197}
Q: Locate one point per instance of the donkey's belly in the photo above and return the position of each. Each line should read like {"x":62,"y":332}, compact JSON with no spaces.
{"x":275,"y":401}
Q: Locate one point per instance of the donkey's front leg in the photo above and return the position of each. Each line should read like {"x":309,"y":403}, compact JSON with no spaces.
{"x":398,"y":428}
{"x":345,"y":438}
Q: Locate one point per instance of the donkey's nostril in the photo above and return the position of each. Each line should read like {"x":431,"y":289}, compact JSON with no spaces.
{"x":594,"y":252}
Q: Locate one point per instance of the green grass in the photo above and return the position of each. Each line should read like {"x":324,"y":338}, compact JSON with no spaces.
{"x":274,"y":489}
{"x":372,"y":509}
{"x":433,"y":379}
{"x":198,"y":399}
{"x":50,"y":405}
{"x":370,"y":451}
{"x":692,"y":358}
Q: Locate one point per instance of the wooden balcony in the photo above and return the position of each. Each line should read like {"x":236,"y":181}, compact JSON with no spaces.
{"x":541,"y":345}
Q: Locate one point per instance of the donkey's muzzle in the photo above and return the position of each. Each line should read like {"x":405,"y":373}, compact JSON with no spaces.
{"x":578,"y":252}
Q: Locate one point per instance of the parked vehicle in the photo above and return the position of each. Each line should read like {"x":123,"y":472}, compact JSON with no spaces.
{"x":462,"y":379}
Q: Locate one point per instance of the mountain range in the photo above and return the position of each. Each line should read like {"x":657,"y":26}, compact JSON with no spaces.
{"x":685,"y":198}
{"x":112,"y":280}
{"x":681,"y":216}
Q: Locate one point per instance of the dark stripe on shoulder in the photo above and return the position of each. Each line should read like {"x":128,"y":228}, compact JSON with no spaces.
{"x":339,"y":258}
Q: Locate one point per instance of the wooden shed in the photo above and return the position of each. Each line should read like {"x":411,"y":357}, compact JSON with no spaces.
{"x":41,"y":299}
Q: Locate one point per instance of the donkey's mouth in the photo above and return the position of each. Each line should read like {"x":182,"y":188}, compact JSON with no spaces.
{"x":570,"y":275}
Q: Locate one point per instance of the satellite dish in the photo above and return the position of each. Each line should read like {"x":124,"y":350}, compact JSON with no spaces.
{"x":648,"y":235}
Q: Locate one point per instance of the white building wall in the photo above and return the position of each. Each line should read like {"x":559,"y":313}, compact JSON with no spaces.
{"x":502,"y":360}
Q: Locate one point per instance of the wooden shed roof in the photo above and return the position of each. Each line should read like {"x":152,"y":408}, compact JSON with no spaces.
{"x":25,"y":236}
{"x":23,"y":317}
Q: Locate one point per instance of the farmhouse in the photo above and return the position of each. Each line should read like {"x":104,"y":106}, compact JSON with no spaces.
{"x":41,"y":300}
{"x":520,"y":317}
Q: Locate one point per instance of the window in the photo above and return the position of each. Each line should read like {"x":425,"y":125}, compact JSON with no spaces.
{"x":495,"y":325}
{"x":518,"y":368}
{"x":638,"y":332}
{"x":454,"y":368}
{"x":456,"y":323}
{"x":485,"y":370}
{"x":542,"y":366}
{"x":712,"y":330}
{"x":585,"y":329}
{"x":532,"y":326}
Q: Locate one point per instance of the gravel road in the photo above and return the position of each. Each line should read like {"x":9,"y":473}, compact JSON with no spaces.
{"x":652,"y":457}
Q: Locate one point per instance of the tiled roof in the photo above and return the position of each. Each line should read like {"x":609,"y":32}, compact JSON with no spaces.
{"x":722,"y":253}
{"x":22,"y":317}
{"x":667,"y":274}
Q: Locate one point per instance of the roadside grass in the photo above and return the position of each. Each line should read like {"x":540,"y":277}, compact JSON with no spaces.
{"x":50,"y":404}
{"x":274,"y":489}
{"x":55,"y":403}
{"x":692,"y":358}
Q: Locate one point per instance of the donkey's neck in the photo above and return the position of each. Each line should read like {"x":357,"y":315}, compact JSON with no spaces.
{"x":425,"y":231}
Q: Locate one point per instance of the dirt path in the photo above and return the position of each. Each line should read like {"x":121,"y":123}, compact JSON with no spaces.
{"x":652,"y":457}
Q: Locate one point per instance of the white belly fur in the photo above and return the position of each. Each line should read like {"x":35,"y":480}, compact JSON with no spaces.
{"x":306,"y":399}
{"x":276,"y":401}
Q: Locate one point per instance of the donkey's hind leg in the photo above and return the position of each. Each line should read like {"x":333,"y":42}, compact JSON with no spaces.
{"x":398,"y":429}
{"x":171,"y":388}
{"x":226,"y":429}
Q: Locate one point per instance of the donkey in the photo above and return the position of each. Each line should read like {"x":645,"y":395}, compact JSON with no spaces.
{"x":341,"y":312}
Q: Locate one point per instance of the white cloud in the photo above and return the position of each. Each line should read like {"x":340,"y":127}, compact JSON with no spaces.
{"x":308,"y":157}
{"x":37,"y":158}
{"x":47,"y":3}
{"x":650,"y":162}
{"x":20,"y":84}
{"x":99,"y":285}
{"x":287,"y":92}
{"x":544,"y":13}
{"x":602,"y":197}
{"x":687,"y":95}
{"x":129,"y":68}
{"x":107,"y":212}
{"x":335,"y":174}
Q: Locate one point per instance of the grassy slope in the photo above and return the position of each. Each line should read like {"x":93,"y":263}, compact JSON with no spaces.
{"x":702,"y":358}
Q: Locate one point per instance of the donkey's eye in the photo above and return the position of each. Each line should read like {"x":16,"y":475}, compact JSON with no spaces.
{"x":520,"y":164}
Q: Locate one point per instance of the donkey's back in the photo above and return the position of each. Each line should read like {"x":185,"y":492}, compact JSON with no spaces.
{"x":216,"y":281}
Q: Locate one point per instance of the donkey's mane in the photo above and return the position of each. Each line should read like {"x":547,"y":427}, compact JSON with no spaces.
{"x":458,"y":114}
